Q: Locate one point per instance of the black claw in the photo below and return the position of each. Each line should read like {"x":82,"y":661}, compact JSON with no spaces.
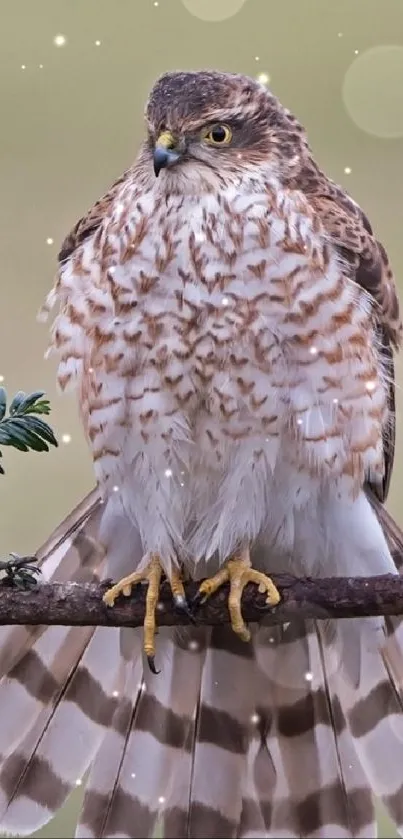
{"x":266,"y":607}
{"x":262,"y":608}
{"x":151,"y":664}
{"x":182,"y":606}
{"x":197,"y":600}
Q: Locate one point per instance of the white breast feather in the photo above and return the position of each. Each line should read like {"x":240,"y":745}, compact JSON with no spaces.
{"x":235,"y":391}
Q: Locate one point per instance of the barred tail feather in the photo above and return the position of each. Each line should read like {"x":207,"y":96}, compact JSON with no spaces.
{"x":223,"y":726}
{"x":373,"y":719}
{"x":60,"y":688}
{"x":376,"y":716}
{"x":101,"y":787}
{"x":304,"y":758}
{"x":331,"y":722}
{"x":153,"y":742}
{"x":70,"y":554}
{"x":50,"y":761}
{"x":251,"y":824}
{"x":37,"y":681}
{"x":288,"y":735}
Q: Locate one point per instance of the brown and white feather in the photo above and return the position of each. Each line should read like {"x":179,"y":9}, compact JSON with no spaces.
{"x":230,"y":330}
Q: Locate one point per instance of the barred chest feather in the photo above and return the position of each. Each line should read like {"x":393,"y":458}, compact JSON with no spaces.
{"x":214,"y":337}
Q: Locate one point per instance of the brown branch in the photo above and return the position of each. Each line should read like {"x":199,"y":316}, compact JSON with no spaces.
{"x":74,"y":604}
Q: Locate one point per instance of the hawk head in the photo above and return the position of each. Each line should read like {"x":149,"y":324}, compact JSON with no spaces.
{"x":212,"y":128}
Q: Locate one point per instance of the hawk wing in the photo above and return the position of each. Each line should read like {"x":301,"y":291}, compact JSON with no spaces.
{"x":91,"y":221}
{"x":351,"y":233}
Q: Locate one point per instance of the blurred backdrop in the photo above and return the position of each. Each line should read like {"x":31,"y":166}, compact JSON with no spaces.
{"x":73,"y":81}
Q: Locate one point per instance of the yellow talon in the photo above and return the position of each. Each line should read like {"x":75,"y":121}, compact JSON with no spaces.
{"x":239,"y":573}
{"x":152,"y":574}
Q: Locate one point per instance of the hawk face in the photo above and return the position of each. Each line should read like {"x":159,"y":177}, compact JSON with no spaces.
{"x":208,"y":130}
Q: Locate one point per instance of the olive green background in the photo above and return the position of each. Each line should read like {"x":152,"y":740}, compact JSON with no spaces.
{"x":74,"y":75}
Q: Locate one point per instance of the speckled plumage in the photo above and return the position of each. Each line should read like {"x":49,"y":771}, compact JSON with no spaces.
{"x":229,"y":328}
{"x":217,"y":338}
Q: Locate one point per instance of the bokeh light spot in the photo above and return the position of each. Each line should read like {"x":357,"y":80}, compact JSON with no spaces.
{"x":213,"y":10}
{"x":372,"y":91}
{"x":60,"y":40}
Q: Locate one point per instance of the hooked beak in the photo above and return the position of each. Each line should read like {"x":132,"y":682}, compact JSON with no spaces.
{"x":164,"y":152}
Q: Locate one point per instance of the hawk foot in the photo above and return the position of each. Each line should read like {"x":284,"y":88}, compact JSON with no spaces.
{"x":151,"y":574}
{"x":238,"y":572}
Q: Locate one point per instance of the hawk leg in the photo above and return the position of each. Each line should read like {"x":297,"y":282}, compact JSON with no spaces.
{"x":152,"y":574}
{"x":238,"y":572}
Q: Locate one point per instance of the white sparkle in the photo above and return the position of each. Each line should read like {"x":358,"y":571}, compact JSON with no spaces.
{"x":90,"y":369}
{"x":257,"y":58}
{"x":347,"y":170}
{"x":66,"y":438}
{"x":97,"y":43}
{"x":356,"y":52}
{"x":162,"y":797}
{"x":115,"y":693}
{"x":78,"y":782}
{"x":168,"y":473}
{"x":199,"y":236}
{"x":335,"y":401}
{"x":1,"y":378}
{"x":255,"y":719}
{"x":23,"y":66}
{"x":299,"y":421}
{"x":308,"y":676}
{"x":263,"y":78}
{"x":133,"y":775}
{"x":182,"y":484}
{"x":225,"y":301}
{"x":115,"y":488}
{"x":49,"y":240}
{"x":339,"y":34}
{"x":59,"y":40}
{"x":160,"y":606}
{"x":371,"y":385}
{"x":313,"y":350}
{"x":194,"y":645}
{"x":41,"y":66}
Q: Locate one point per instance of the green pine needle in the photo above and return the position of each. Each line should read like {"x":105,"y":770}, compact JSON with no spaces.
{"x":21,"y":429}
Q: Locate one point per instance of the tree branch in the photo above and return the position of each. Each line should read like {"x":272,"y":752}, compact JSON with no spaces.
{"x":74,"y":604}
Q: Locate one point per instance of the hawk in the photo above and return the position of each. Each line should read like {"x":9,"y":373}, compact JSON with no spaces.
{"x":229,"y":320}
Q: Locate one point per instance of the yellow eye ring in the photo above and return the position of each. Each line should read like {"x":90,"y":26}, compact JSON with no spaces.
{"x":218,"y":135}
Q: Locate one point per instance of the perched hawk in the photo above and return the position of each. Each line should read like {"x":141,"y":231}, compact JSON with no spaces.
{"x":229,"y":320}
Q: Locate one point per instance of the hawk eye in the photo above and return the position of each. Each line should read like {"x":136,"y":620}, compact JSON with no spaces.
{"x":218,"y":135}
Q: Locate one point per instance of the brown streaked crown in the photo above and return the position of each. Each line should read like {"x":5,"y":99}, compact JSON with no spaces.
{"x":186,"y":101}
{"x":182,"y":96}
